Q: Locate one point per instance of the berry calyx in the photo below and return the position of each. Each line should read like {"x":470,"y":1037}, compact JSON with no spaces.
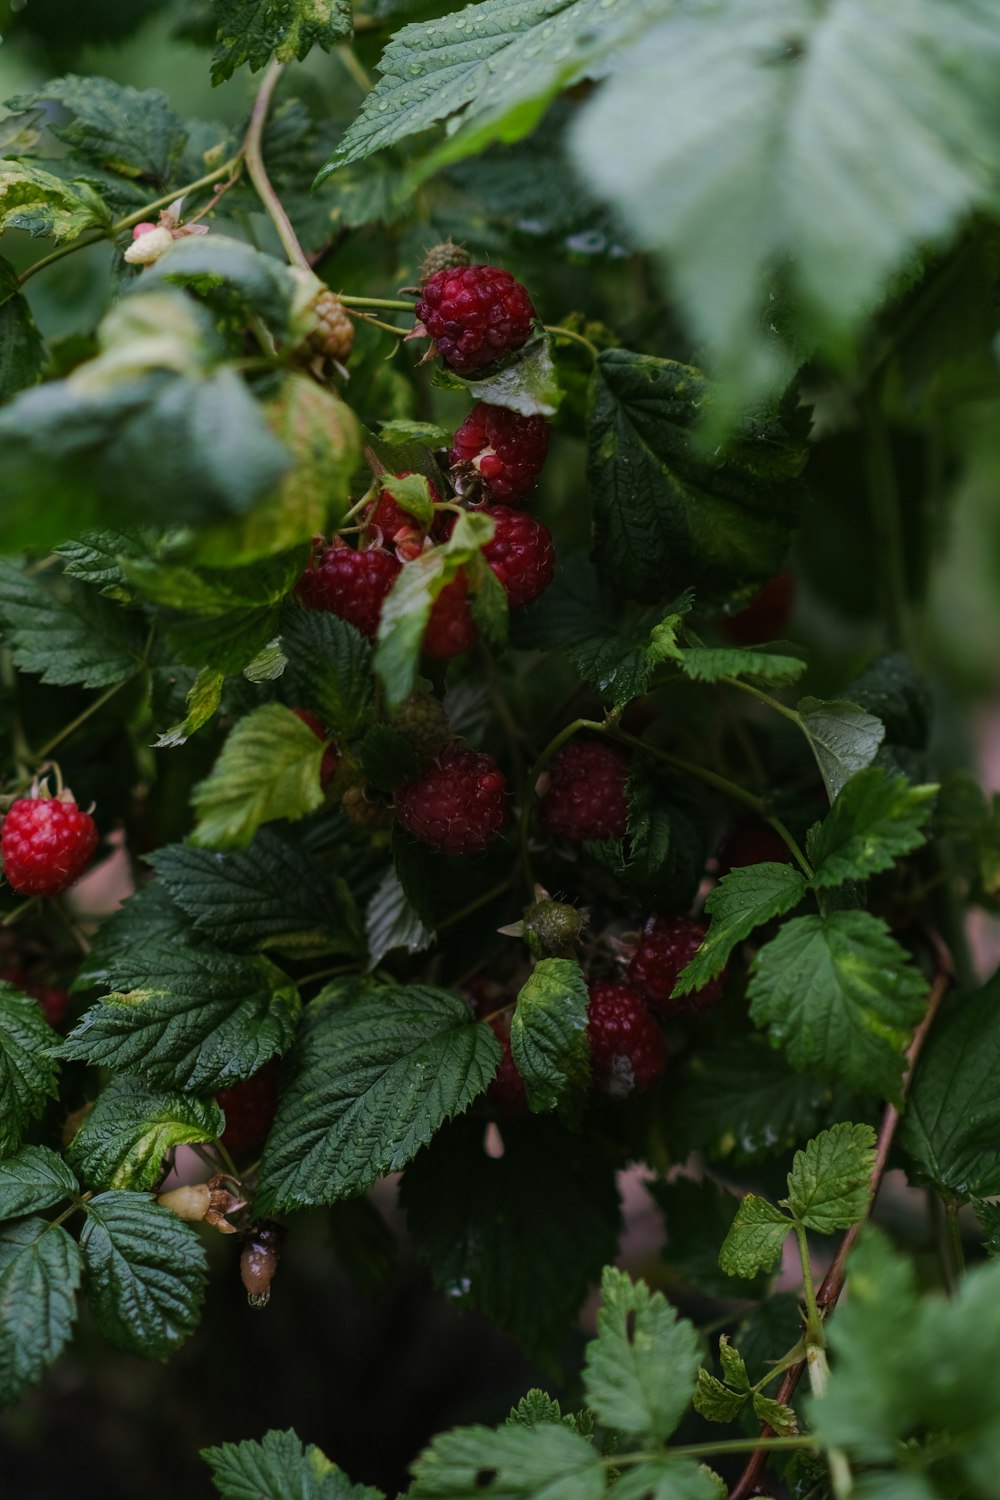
{"x":349,"y":583}
{"x":767,"y":616}
{"x":46,"y":844}
{"x":331,"y":331}
{"x":501,"y":450}
{"x":666,"y":946}
{"x":627,"y":1052}
{"x":457,"y":805}
{"x":752,"y":842}
{"x":331,"y":760}
{"x":585,"y":796}
{"x":506,"y":1092}
{"x":249,"y":1108}
{"x":450,"y":627}
{"x":521,"y":555}
{"x":474,"y":314}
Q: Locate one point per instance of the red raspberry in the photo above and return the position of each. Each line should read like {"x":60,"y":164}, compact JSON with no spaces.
{"x":507,"y":1090}
{"x":521,"y":554}
{"x":457,"y":805}
{"x":627,"y":1052}
{"x":767,"y":615}
{"x":350,"y":584}
{"x":331,"y":760}
{"x":450,"y":627}
{"x":506,"y":450}
{"x":666,"y":946}
{"x":53,"y":1001}
{"x":585,"y":797}
{"x":474,"y":314}
{"x":249,"y":1108}
{"x":46,"y":844}
{"x":752,"y":843}
{"x":390,"y":518}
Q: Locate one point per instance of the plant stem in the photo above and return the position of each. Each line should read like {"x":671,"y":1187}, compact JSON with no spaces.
{"x":955,"y":1245}
{"x":74,"y":724}
{"x":577,"y":338}
{"x":473,"y":906}
{"x":765,"y":698}
{"x":364,"y":317}
{"x":258,"y":173}
{"x":388,"y":304}
{"x":814,"y":1321}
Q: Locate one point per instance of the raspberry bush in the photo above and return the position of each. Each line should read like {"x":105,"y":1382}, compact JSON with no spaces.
{"x":497,"y":534}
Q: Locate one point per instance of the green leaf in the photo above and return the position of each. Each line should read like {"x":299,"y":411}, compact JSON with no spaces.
{"x":255,"y":31}
{"x":268,"y":768}
{"x":755,"y":1238}
{"x":988,"y":1215}
{"x":374,"y":1075}
{"x":840,"y":995}
{"x":667,"y":515}
{"x":72,"y":636}
{"x":40,"y":1271}
{"x":41,"y":204}
{"x":333,"y":662}
{"x":520,"y":1463}
{"x":737,"y":101}
{"x":272,"y":894}
{"x":844,"y":739}
{"x":535,"y":1410}
{"x":412,"y":493}
{"x":202,"y":700}
{"x":640,"y":1370}
{"x":21,"y":347}
{"x":148,"y":915}
{"x":392,"y":922}
{"x":280,"y":1467}
{"x":387,"y":757}
{"x":830,"y":1184}
{"x":32,"y":1179}
{"x":524,"y":381}
{"x":951,"y":1128}
{"x":27,"y":1073}
{"x":187,"y":1017}
{"x":669,"y":1479}
{"x":698,"y":1216}
{"x":217,"y":267}
{"x":710,"y":663}
{"x":716,"y":1401}
{"x":146,"y":1273}
{"x":894,"y":691}
{"x":214,"y":591}
{"x":874,"y":821}
{"x":130,"y":1128}
{"x":744,"y":899}
{"x":779,"y":1417}
{"x":548,"y":1034}
{"x":119,"y":129}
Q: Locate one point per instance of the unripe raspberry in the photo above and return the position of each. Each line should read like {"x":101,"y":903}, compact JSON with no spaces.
{"x":46,"y":844}
{"x":450,"y":627}
{"x":365,"y":808}
{"x":389,"y":516}
{"x":474,"y":314}
{"x":666,"y":946}
{"x":521,"y":555}
{"x":147,"y":247}
{"x":767,"y":616}
{"x":54,"y":1001}
{"x":627,"y":1052}
{"x":421,"y":717}
{"x":352,"y":584}
{"x":585,"y":796}
{"x":249,"y":1108}
{"x":501,"y":451}
{"x":332,"y":332}
{"x":443,"y":257}
{"x":555,"y":925}
{"x":457,"y":805}
{"x":331,"y":760}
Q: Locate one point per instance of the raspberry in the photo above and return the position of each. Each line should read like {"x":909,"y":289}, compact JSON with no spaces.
{"x":450,"y":627}
{"x":332,"y":331}
{"x":521,"y":555}
{"x":666,"y":946}
{"x":46,"y":844}
{"x":627,"y":1052}
{"x":752,"y":843}
{"x":350,"y":584}
{"x":457,"y":805}
{"x":507,"y":1090}
{"x":53,"y":1001}
{"x":443,"y":257}
{"x":390,"y":517}
{"x":249,"y":1108}
{"x":506,"y":450}
{"x":365,"y":808}
{"x":421,"y":717}
{"x":474,"y":314}
{"x":585,"y":797}
{"x":767,"y":615}
{"x":331,"y":760}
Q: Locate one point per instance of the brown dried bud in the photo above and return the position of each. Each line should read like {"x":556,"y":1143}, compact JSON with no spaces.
{"x":211,"y":1201}
{"x":259,"y":1260}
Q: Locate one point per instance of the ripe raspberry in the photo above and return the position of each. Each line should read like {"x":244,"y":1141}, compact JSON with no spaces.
{"x":450,"y":628}
{"x":627,"y":1052}
{"x":331,"y":760}
{"x":46,"y":844}
{"x":506,"y":450}
{"x":666,"y":946}
{"x":474,"y":314}
{"x":752,"y":843}
{"x":766,"y":617}
{"x":421,"y":717}
{"x":443,"y":257}
{"x":249,"y":1108}
{"x":350,"y":584}
{"x":521,"y":554}
{"x":390,"y":517}
{"x":53,"y":1001}
{"x":507,"y":1090}
{"x":585,"y":797}
{"x":332,"y":332}
{"x":457,"y":805}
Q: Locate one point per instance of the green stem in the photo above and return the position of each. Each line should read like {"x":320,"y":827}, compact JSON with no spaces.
{"x":258,"y":174}
{"x":387,"y":303}
{"x":955,"y":1245}
{"x":74,"y":724}
{"x":793,"y":1357}
{"x":76,"y":1206}
{"x":19,"y":911}
{"x":766,"y":698}
{"x":364,"y":317}
{"x":577,"y":338}
{"x":473,"y":906}
{"x":706,"y":1450}
{"x":814,"y":1320}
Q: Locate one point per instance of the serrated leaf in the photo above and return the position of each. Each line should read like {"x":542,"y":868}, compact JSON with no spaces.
{"x":669,"y":1479}
{"x":830,"y":1184}
{"x":203,"y":698}
{"x":755,"y":1238}
{"x":844,"y":739}
{"x":523,"y":1463}
{"x":146,"y":1273}
{"x":548,"y":1034}
{"x":840,"y":995}
{"x":716,"y":1401}
{"x":130,"y":1128}
{"x":255,"y":31}
{"x":640,"y":1370}
{"x":733,"y":1367}
{"x":40,"y":1272}
{"x":268,"y":768}
{"x":42,"y":204}
{"x":525,"y":381}
{"x":874,"y":821}
{"x":280,"y":1467}
{"x":697,"y":1217}
{"x":744,"y":899}
{"x":392,"y":922}
{"x":470,"y":1214}
{"x":988,"y":1215}
{"x":332,"y":660}
{"x":32,"y":1179}
{"x":667,"y":515}
{"x":412,"y":493}
{"x":27,"y":1073}
{"x":71,"y":637}
{"x":147,"y":915}
{"x":710,"y":663}
{"x":780,"y":1418}
{"x":215,"y":265}
{"x":186,"y":1016}
{"x":120,"y":129}
{"x":534,"y":1409}
{"x":272,"y":894}
{"x":374,"y":1075}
